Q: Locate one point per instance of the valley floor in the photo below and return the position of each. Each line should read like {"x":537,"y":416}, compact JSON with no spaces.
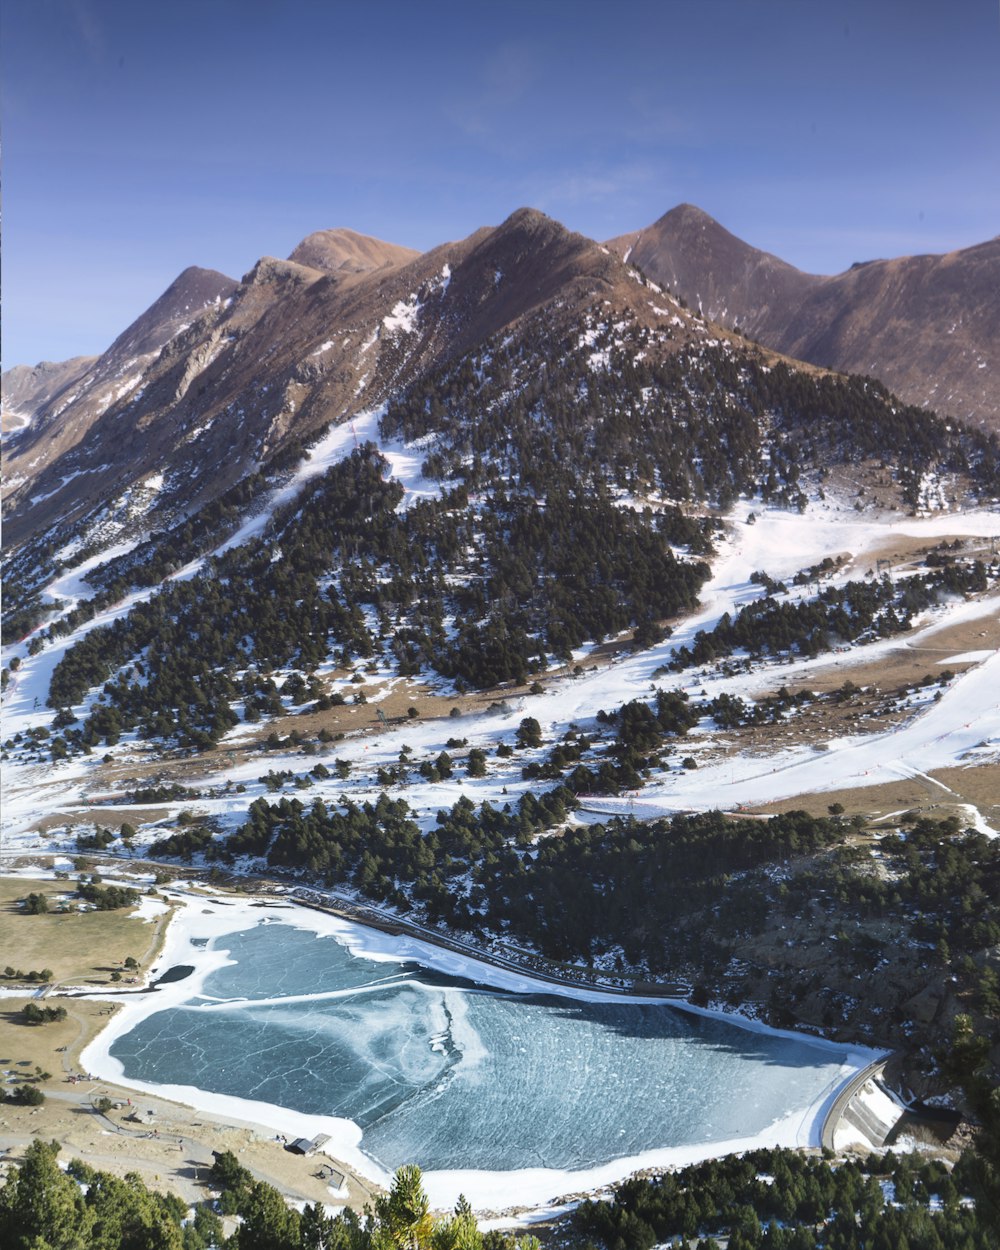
{"x":936,"y":749}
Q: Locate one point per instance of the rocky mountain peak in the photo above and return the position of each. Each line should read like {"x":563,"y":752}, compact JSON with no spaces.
{"x":928,"y":326}
{"x":270,"y":269}
{"x":688,"y":215}
{"x":532,"y":226}
{"x":341,"y":251}
{"x":193,"y":290}
{"x":691,"y":253}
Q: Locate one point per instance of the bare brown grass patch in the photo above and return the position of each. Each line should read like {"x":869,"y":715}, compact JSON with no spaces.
{"x":80,"y":947}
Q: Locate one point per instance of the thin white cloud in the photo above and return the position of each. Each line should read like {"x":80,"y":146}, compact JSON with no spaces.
{"x":508,"y":75}
{"x":604,"y":200}
{"x":91,"y":32}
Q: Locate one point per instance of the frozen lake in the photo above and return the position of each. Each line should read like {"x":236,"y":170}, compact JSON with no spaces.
{"x":436,"y":1069}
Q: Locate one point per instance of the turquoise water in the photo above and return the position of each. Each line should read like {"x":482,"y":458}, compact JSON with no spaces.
{"x":448,"y":1074}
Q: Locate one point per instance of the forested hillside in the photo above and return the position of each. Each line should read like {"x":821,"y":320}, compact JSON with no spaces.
{"x":577,"y":502}
{"x":480,"y":593}
{"x":705,"y":423}
{"x":762,"y":1200}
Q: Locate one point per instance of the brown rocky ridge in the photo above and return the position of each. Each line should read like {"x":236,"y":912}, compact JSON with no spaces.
{"x":58,"y":418}
{"x":926,"y":326}
{"x":266,"y":364}
{"x":28,"y":388}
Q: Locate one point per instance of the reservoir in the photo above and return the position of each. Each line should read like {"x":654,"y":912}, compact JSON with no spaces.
{"x":458,"y":1071}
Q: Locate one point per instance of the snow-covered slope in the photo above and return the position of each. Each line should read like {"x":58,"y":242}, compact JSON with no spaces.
{"x":962,"y":728}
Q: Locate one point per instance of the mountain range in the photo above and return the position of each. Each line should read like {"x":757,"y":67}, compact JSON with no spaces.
{"x":218,"y":376}
{"x":926,"y":326}
{"x":499,"y":490}
{"x":522,"y":346}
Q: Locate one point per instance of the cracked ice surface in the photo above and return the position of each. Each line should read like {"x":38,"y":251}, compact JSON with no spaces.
{"x":400,"y":1062}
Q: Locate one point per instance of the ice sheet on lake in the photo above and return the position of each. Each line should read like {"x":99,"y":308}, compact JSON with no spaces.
{"x":441,"y":1071}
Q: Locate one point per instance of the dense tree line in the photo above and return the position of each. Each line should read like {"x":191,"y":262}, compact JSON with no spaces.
{"x":43,"y":1207}
{"x":647,"y":425}
{"x":20,"y":620}
{"x":644,"y":888}
{"x":877,"y":608}
{"x":731,"y":712}
{"x":160,"y":794}
{"x":185,"y":844}
{"x":379,"y":850}
{"x":703,"y":423}
{"x":99,"y":840}
{"x":535,"y":580}
{"x":573,"y":569}
{"x":248,"y":614}
{"x":781,"y":1200}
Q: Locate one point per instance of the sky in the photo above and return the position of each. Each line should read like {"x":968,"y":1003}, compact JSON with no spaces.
{"x":143,"y":136}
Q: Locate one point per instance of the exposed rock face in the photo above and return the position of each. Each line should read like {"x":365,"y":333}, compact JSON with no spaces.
{"x":927,"y":326}
{"x":255,"y":369}
{"x":182,"y":301}
{"x":61,"y":417}
{"x":27,"y":388}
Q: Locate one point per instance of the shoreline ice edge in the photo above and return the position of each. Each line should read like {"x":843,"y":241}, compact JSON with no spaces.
{"x":201,"y":917}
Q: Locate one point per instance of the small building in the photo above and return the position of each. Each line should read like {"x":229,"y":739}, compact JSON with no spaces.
{"x":305,"y":1146}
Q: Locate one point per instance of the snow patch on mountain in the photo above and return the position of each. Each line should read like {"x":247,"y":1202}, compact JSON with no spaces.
{"x":404,"y":315}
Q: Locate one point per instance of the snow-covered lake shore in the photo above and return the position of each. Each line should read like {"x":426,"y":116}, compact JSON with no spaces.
{"x":193,"y":939}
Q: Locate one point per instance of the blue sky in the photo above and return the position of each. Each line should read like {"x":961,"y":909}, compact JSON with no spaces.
{"x":141,"y":136}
